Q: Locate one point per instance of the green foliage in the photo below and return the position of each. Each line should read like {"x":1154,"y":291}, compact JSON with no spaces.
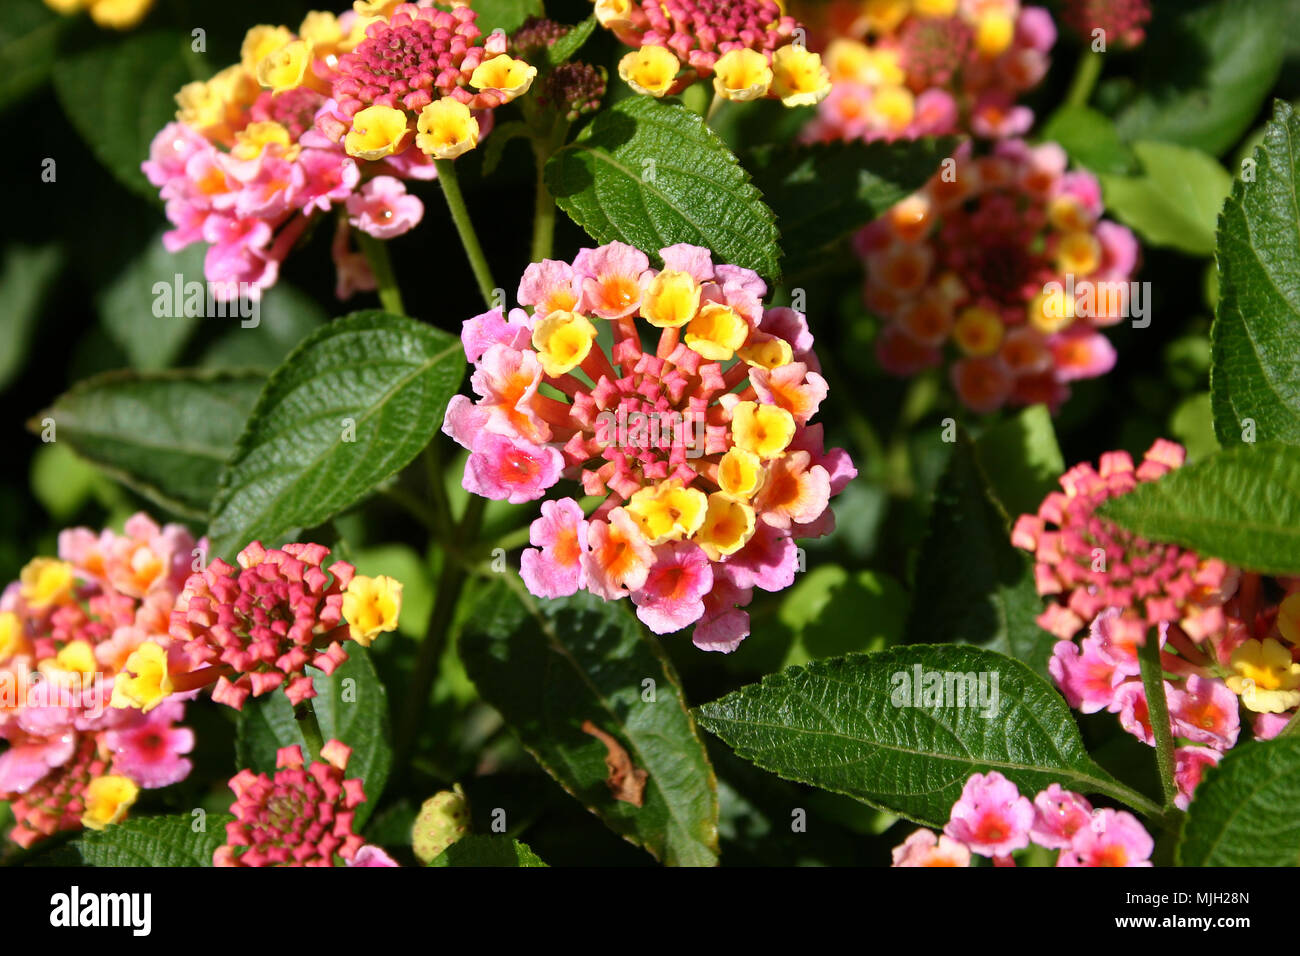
{"x":480,"y":850}
{"x":553,"y":667}
{"x":834,"y":724}
{"x":156,"y":841}
{"x":1176,"y":200}
{"x":1244,"y":811}
{"x":351,"y":406}
{"x":1090,"y":139}
{"x":26,"y":276}
{"x":652,"y":175}
{"x":1256,"y":372}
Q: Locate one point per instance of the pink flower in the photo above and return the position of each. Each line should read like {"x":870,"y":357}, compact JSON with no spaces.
{"x":672,"y":596}
{"x":991,"y":818}
{"x":925,"y":848}
{"x":150,"y":752}
{"x":725,"y":623}
{"x":561,"y":534}
{"x":384,"y":209}
{"x":549,"y":286}
{"x":1086,"y":678}
{"x":1130,"y":702}
{"x":492,"y":328}
{"x":371,"y":855}
{"x":1059,"y":815}
{"x":1189,"y":767}
{"x":303,"y":816}
{"x":1113,"y":838}
{"x":1205,"y":711}
{"x":511,"y":469}
{"x":612,"y":279}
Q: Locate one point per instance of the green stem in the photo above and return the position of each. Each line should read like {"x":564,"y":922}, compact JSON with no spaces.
{"x":544,"y":146}
{"x":1292,"y":725}
{"x":469,"y":239}
{"x":305,"y":714}
{"x":1153,"y":682}
{"x":714,"y":106}
{"x":390,"y":296}
{"x":1085,"y":79}
{"x":451,"y":583}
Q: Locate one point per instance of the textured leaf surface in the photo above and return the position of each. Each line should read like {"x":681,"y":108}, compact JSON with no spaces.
{"x":1256,"y":370}
{"x":1243,"y":813}
{"x":971,"y":585}
{"x":482,"y":850}
{"x":652,"y":175}
{"x":1022,"y":460}
{"x":165,"y":434}
{"x":552,"y":667}
{"x":1241,"y":505}
{"x":120,"y":95}
{"x":351,"y":705}
{"x":1176,"y":201}
{"x":155,"y":841}
{"x":1208,"y":67}
{"x":832,"y":724}
{"x":385,"y":377}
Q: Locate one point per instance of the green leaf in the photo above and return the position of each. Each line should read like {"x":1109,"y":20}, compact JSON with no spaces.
{"x":351,"y":705}
{"x":822,"y":193}
{"x":507,"y":15}
{"x":1176,"y":201}
{"x":155,"y":841}
{"x":1191,"y":424}
{"x":140,"y":311}
{"x":1256,"y":368}
{"x":1241,"y":505}
{"x":972,"y":586}
{"x":166,"y":435}
{"x":1090,"y":139}
{"x":349,"y":408}
{"x":832,"y":612}
{"x":550,"y":668}
{"x":26,"y":276}
{"x":652,"y":175}
{"x":482,"y":850}
{"x":1243,"y":812}
{"x":1208,"y":68}
{"x":1022,"y":460}
{"x":29,"y":43}
{"x":119,"y":95}
{"x":562,"y":50}
{"x":833,"y":724}
{"x":285,"y":317}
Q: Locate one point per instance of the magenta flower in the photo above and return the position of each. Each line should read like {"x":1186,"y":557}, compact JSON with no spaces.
{"x":1121,"y":22}
{"x":672,"y":596}
{"x":991,"y":818}
{"x":1112,"y":838}
{"x":1189,"y":767}
{"x":384,"y":209}
{"x":1058,"y":815}
{"x":924,"y":848}
{"x":553,"y":568}
{"x":150,"y":751}
{"x":303,"y":816}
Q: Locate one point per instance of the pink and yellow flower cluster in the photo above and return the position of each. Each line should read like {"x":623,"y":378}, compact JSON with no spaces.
{"x":1002,"y":268}
{"x":993,"y":820}
{"x":749,"y":48}
{"x":909,"y":68}
{"x":68,"y":628}
{"x":1228,"y":638}
{"x":699,"y":448}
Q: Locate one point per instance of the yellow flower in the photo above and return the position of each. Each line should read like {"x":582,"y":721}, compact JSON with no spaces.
{"x":144,"y":682}
{"x":671,"y":300}
{"x":67,"y":7}
{"x":1267,"y":680}
{"x":1051,"y":311}
{"x":107,"y":799}
{"x":613,"y":13}
{"x":798,"y":76}
{"x":259,"y":43}
{"x":76,"y":657}
{"x":1288,"y":619}
{"x":375,"y":9}
{"x":377,"y":131}
{"x":45,"y":582}
{"x":286,"y":67}
{"x":716,"y":332}
{"x":446,"y":129}
{"x":209,"y":106}
{"x":728,"y":524}
{"x":667,"y":511}
{"x":934,"y":8}
{"x":769,"y":354}
{"x":855,"y":61}
{"x":12,"y":639}
{"x":742,"y":75}
{"x":649,"y":70}
{"x":740,"y":474}
{"x":894,"y":106}
{"x":119,"y":14}
{"x":978,"y":331}
{"x":505,"y":74}
{"x":371,"y":607}
{"x":253,"y":139}
{"x":563,"y":341}
{"x":884,"y":16}
{"x":994,"y":33}
{"x":764,"y":430}
{"x":1078,"y":253}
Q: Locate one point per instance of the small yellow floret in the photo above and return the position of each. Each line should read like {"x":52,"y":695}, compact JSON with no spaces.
{"x":1078,"y":253}
{"x":728,"y":524}
{"x":978,"y":331}
{"x":45,"y":582}
{"x":740,"y":474}
{"x":144,"y":682}
{"x":252,"y":140}
{"x":286,"y":68}
{"x":563,"y":341}
{"x":649,"y":70}
{"x":716,"y":332}
{"x":667,"y":511}
{"x":76,"y":657}
{"x":742,"y":75}
{"x":371,"y":607}
{"x":1051,"y":311}
{"x":107,"y":799}
{"x":12,"y":639}
{"x":119,"y":14}
{"x":765,"y":430}
{"x":446,"y":129}
{"x":259,"y":43}
{"x":798,"y":76}
{"x":671,"y":300}
{"x":505,"y":74}
{"x":994,"y":33}
{"x":769,"y":354}
{"x":1266,"y":678}
{"x":377,"y":131}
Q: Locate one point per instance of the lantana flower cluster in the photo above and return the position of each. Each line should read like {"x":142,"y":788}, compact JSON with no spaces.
{"x":901,"y":70}
{"x":700,"y":446}
{"x":1002,"y":268}
{"x":750,"y":49}
{"x":68,"y":627}
{"x":993,"y":820}
{"x":1228,"y":639}
{"x":336,"y":115}
{"x":1121,"y":23}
